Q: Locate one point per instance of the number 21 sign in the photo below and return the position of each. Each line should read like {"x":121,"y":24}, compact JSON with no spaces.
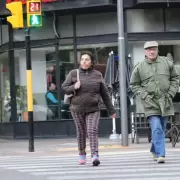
{"x":34,"y":6}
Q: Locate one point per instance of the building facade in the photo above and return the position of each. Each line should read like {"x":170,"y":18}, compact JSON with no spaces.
{"x":79,"y":25}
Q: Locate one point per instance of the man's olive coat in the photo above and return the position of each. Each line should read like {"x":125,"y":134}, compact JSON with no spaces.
{"x":156,"y":83}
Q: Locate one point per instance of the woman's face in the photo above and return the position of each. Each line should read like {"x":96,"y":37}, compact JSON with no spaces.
{"x":85,"y":61}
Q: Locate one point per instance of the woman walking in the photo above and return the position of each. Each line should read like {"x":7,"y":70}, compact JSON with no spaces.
{"x":88,"y":87}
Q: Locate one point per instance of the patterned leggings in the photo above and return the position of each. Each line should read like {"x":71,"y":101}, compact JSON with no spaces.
{"x":87,"y":124}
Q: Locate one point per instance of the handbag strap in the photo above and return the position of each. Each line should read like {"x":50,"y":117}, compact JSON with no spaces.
{"x":77,"y":74}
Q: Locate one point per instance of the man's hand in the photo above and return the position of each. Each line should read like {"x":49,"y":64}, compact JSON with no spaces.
{"x":169,"y":96}
{"x":114,"y":115}
{"x":77,"y":85}
{"x":143,"y":95}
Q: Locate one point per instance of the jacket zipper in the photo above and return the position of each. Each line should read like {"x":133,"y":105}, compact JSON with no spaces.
{"x":86,"y":105}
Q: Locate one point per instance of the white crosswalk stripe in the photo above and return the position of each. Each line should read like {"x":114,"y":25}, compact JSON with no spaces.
{"x":127,"y":166}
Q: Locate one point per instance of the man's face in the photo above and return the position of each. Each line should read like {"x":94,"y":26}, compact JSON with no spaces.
{"x":151,"y":53}
{"x":53,"y":86}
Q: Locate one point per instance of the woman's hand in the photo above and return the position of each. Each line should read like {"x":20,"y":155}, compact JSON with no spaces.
{"x":77,"y":85}
{"x":114,"y":115}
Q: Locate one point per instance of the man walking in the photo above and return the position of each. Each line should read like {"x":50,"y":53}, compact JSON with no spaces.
{"x":156,"y":81}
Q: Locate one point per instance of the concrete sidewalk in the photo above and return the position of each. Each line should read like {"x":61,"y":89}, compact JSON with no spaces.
{"x":69,"y":146}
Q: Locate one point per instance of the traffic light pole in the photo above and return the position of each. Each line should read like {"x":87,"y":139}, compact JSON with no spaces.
{"x":29,"y":90}
{"x":122,"y":78}
{"x":58,"y":77}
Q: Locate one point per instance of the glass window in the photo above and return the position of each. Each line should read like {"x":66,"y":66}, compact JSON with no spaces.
{"x":168,"y":48}
{"x":4,"y":88}
{"x":44,"y":68}
{"x":145,"y":20}
{"x":172,"y":19}
{"x":1,"y":40}
{"x":92,"y":24}
{"x":101,"y":52}
{"x":44,"y":74}
{"x":39,"y":83}
{"x":4,"y":34}
{"x":66,"y":57}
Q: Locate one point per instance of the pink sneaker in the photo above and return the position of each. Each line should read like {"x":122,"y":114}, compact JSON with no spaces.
{"x":82,"y":159}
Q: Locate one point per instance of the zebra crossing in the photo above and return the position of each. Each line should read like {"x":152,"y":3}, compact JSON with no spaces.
{"x":114,"y":166}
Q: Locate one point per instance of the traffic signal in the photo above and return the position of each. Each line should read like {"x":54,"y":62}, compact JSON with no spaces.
{"x":16,"y":18}
{"x":34,"y":13}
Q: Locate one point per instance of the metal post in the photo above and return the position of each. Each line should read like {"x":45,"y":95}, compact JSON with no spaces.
{"x":122,"y":78}
{"x":29,"y":90}
{"x":58,"y":78}
{"x":132,"y":118}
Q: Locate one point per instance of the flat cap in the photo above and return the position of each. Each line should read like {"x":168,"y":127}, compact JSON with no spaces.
{"x":150,"y":44}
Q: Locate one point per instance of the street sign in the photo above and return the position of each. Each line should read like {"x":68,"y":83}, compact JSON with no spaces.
{"x":35,"y":20}
{"x":34,"y":7}
{"x":34,"y":13}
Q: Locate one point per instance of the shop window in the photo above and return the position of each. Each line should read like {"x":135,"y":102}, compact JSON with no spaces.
{"x":102,"y":57}
{"x":101,"y":53}
{"x":92,"y":24}
{"x":39,"y":85}
{"x":5,"y":106}
{"x":1,"y":40}
{"x":44,"y":68}
{"x":4,"y":34}
{"x":172,"y":19}
{"x":66,"y":64}
{"x":145,"y":20}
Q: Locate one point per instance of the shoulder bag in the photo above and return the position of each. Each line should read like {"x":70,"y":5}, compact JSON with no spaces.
{"x":67,"y":98}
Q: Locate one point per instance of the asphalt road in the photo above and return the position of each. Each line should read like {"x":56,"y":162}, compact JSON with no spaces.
{"x":114,"y":166}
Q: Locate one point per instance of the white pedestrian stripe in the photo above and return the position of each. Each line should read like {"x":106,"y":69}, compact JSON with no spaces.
{"x":127,"y":166}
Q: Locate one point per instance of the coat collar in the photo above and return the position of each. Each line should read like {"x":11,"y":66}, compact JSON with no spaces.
{"x":151,"y":62}
{"x":85,"y":70}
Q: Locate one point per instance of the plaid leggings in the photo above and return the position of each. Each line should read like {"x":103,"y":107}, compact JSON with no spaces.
{"x":87,"y":124}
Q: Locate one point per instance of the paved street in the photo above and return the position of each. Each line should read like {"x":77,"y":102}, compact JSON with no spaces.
{"x":69,"y":145}
{"x":134,"y":165}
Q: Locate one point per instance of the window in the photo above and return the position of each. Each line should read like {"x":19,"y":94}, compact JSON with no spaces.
{"x":39,"y":83}
{"x":145,"y":20}
{"x":66,"y":59}
{"x":4,"y":88}
{"x":44,"y":68}
{"x":172,"y":19}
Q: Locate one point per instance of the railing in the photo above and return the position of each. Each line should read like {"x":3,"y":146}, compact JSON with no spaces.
{"x":140,"y":122}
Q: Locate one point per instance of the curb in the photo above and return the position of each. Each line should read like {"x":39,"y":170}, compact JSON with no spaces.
{"x":100,"y":147}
